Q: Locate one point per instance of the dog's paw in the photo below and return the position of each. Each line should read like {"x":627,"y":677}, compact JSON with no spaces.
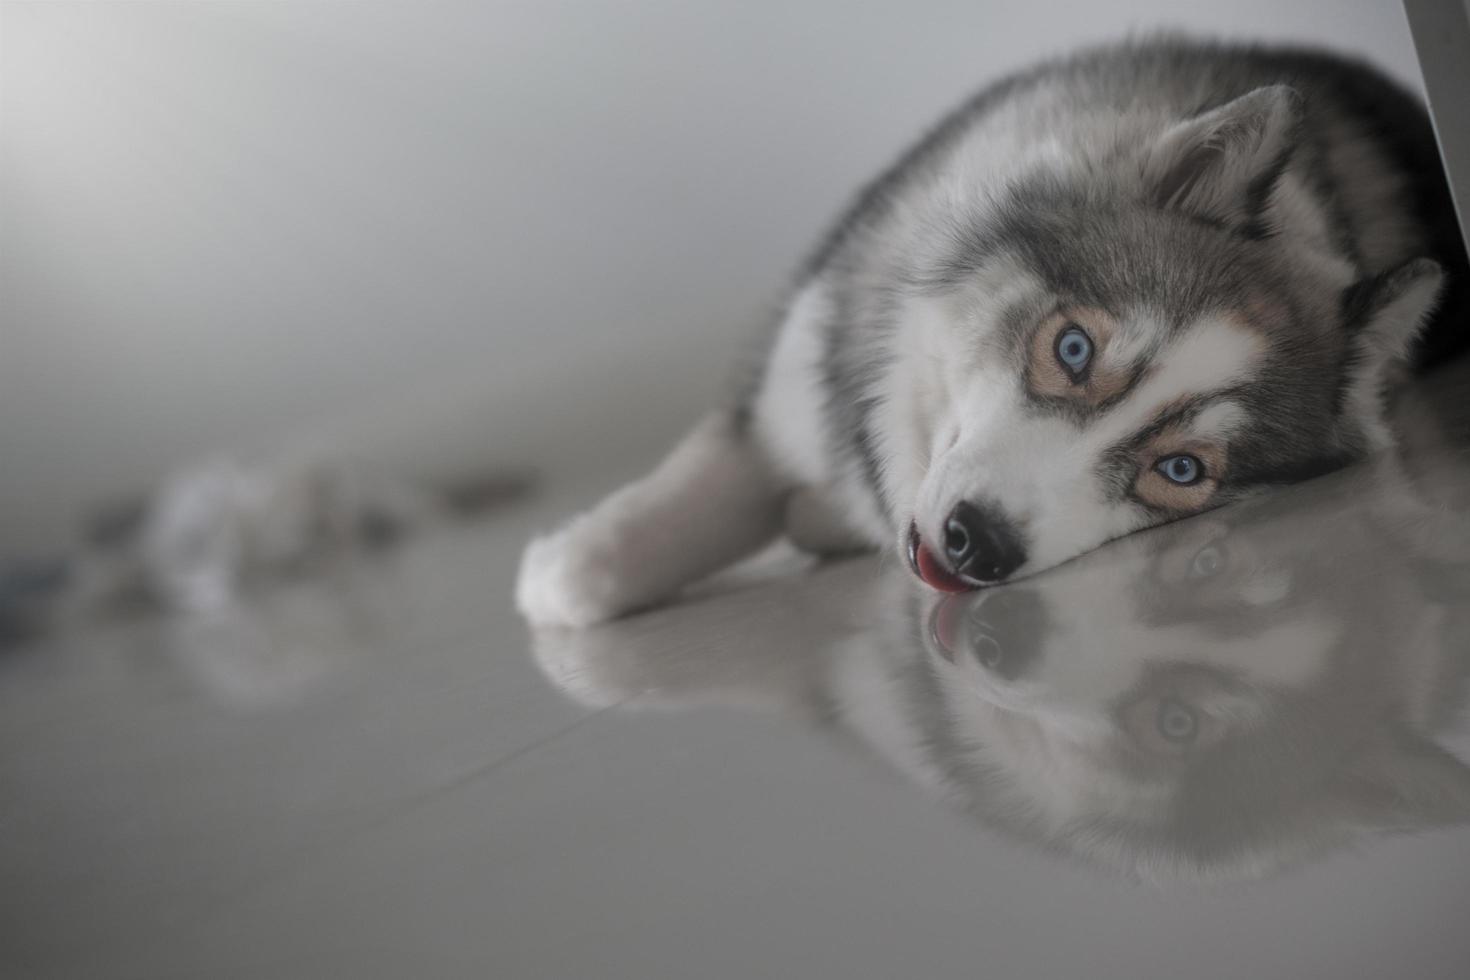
{"x":568,"y":578}
{"x":584,"y":664}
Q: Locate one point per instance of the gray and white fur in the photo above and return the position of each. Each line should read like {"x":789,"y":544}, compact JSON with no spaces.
{"x":1107,"y":292}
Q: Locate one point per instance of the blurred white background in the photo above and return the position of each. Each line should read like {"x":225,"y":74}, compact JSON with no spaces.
{"x":452,"y":235}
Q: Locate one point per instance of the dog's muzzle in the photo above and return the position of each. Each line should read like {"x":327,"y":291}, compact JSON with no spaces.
{"x":932,"y":570}
{"x":1000,"y":629}
{"x":981,"y":547}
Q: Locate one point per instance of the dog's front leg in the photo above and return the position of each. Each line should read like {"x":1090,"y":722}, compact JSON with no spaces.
{"x":714,"y":500}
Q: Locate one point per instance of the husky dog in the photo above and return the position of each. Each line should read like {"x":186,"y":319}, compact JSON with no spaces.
{"x":1106,"y":293}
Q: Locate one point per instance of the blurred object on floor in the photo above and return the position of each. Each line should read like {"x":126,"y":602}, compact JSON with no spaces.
{"x":222,"y":528}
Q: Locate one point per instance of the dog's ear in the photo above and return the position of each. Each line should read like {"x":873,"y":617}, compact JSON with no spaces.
{"x":1383,"y":316}
{"x":1223,"y":164}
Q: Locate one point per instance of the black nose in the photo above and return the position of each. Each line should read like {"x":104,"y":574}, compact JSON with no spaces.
{"x":1004,"y":628}
{"x":981,"y":543}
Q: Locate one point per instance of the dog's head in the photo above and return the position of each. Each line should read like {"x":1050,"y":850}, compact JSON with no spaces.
{"x":1144,"y":326}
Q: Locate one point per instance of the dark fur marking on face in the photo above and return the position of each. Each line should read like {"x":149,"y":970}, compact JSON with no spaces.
{"x":1105,"y":254}
{"x":1249,"y":473}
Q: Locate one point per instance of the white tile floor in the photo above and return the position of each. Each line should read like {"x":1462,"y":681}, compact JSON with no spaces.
{"x":819,"y":774}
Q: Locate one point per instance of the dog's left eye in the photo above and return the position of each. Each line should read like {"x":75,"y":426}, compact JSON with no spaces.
{"x":1074,"y":351}
{"x":1177,"y":722}
{"x":1182,"y":469}
{"x":1208,"y":562}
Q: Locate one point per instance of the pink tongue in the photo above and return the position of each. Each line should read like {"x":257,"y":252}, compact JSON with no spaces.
{"x":944,"y":624}
{"x":931,"y":570}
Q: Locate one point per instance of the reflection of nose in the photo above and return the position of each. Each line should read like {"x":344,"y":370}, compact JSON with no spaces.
{"x":981,"y":543}
{"x":1003,"y":630}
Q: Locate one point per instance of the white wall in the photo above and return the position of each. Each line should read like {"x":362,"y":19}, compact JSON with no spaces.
{"x":522,"y":232}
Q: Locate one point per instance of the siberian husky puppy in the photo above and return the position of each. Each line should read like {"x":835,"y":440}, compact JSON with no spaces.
{"x":1107,"y":292}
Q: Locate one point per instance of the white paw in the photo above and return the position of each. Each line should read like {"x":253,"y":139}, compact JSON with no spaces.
{"x":568,"y":578}
{"x":584,"y":664}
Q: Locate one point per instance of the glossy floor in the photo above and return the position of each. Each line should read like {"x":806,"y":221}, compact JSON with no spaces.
{"x":1227,"y":748}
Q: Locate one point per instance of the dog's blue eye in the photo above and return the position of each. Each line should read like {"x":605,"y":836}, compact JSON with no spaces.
{"x":1182,"y":469}
{"x":1176,"y":721}
{"x":1208,"y":562}
{"x":1074,"y":350}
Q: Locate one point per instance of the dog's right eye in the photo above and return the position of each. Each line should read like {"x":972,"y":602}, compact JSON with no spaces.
{"x":1208,"y":562}
{"x":1177,"y":722}
{"x":1074,"y":351}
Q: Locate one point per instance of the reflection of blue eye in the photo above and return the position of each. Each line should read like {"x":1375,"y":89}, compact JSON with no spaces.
{"x":1208,"y":562}
{"x":1176,"y":721}
{"x":1182,"y":469}
{"x":1074,"y":350}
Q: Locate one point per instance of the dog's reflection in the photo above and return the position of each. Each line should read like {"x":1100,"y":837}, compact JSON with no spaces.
{"x":1217,"y":698}
{"x":1221,"y":698}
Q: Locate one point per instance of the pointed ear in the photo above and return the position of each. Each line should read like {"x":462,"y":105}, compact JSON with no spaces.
{"x":1383,"y":316}
{"x":1385,"y":313}
{"x":1223,"y":164}
{"x":1409,"y":784}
